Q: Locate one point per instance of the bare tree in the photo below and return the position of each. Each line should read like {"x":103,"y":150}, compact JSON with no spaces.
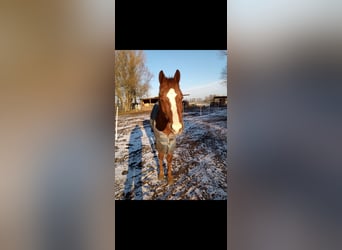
{"x":209,"y":98}
{"x":132,"y":77}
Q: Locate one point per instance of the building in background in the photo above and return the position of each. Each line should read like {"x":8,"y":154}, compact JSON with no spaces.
{"x":219,"y":101}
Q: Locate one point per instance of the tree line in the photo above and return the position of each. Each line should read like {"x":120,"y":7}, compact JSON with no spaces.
{"x":131,"y":78}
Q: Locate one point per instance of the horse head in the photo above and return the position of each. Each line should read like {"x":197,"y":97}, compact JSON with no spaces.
{"x":170,"y":99}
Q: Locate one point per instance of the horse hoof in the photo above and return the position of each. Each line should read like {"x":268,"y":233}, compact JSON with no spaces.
{"x":160,"y":177}
{"x":170,"y":181}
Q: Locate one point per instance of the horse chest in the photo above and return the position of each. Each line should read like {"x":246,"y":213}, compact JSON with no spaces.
{"x":164,"y":143}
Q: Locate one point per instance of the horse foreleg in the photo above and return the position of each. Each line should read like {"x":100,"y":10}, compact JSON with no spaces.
{"x":161,"y":169}
{"x":169,"y":169}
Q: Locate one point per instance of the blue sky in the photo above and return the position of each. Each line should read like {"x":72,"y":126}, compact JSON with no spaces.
{"x":200,"y":70}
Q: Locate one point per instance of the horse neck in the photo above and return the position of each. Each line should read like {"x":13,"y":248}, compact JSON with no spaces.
{"x":162,"y":122}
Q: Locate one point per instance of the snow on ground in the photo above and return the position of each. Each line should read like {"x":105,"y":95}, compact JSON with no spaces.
{"x":199,"y":162}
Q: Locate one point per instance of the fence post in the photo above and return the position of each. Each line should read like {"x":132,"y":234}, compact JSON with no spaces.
{"x":116,"y":123}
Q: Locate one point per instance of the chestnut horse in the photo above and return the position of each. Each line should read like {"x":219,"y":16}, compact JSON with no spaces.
{"x":167,"y":120}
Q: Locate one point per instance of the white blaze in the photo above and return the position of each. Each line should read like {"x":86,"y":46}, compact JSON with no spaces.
{"x":176,"y":125}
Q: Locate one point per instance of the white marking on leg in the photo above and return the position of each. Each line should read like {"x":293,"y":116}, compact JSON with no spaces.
{"x":176,"y":125}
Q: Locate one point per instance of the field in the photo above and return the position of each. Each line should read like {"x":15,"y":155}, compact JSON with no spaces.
{"x":199,"y":162}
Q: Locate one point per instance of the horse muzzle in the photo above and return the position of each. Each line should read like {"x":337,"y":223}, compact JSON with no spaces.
{"x":177,"y":128}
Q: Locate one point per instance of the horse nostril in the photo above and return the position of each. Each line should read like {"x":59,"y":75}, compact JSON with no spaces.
{"x":176,"y":128}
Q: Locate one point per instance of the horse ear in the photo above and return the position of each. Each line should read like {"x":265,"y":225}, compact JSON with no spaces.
{"x":161,"y":76}
{"x":177,"y":75}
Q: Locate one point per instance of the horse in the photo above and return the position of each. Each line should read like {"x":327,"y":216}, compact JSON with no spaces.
{"x":167,"y":120}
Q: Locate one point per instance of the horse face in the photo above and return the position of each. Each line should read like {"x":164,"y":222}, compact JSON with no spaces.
{"x":170,"y":98}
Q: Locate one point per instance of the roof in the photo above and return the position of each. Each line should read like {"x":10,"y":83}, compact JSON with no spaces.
{"x":150,"y":99}
{"x":219,"y":97}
